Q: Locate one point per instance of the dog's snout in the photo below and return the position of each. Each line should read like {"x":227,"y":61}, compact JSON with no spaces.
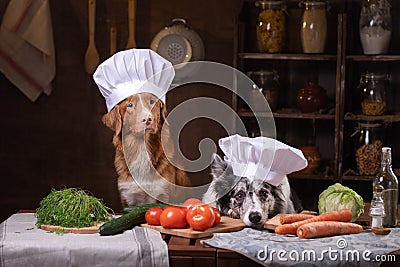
{"x":255,"y":217}
{"x":147,"y":120}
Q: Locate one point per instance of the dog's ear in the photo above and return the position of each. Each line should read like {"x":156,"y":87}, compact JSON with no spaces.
{"x":163,"y":112}
{"x":113,"y":120}
{"x":218,"y":166}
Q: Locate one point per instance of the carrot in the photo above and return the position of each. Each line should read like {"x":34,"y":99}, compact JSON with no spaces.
{"x":291,"y":218}
{"x":327,"y":228}
{"x":339,"y":216}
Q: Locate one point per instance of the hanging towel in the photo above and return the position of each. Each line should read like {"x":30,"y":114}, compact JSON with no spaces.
{"x":27,"y":54}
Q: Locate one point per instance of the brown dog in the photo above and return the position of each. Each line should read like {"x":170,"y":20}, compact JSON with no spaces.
{"x":141,"y":120}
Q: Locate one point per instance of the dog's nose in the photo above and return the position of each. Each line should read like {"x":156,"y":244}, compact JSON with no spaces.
{"x":147,"y":120}
{"x":255,"y":217}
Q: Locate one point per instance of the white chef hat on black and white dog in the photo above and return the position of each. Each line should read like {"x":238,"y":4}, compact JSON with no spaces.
{"x":133,"y":71}
{"x":261,"y":158}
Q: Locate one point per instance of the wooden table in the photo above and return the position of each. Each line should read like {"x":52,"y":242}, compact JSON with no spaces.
{"x":189,"y":252}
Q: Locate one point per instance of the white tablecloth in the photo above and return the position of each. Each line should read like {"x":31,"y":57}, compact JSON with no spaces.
{"x":23,"y":244}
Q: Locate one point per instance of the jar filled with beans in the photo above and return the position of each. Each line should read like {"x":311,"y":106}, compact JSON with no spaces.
{"x":373,"y":87}
{"x":271,"y":26}
{"x":368,"y":147}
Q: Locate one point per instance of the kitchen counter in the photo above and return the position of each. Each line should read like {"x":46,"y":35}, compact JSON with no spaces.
{"x":191,"y":252}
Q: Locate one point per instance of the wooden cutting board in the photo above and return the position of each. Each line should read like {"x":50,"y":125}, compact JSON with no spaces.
{"x":84,"y":230}
{"x":272,"y":223}
{"x":227,"y":224}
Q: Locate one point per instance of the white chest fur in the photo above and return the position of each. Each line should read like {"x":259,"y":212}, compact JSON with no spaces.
{"x":146,"y":185}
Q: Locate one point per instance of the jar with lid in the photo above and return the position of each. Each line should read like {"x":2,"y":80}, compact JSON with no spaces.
{"x":267,"y":82}
{"x":375,"y":26}
{"x":314,"y":26}
{"x":271,"y":26}
{"x":373,"y":87}
{"x":368,"y":146}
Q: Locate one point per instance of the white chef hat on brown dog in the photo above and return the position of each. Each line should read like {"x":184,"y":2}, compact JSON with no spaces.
{"x":261,"y":158}
{"x":133,"y":71}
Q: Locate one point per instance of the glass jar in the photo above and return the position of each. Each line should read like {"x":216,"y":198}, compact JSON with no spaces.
{"x":267,"y":82}
{"x":368,"y":147}
{"x":375,"y":26}
{"x":373,"y":88}
{"x":314,"y":26}
{"x":271,"y":26}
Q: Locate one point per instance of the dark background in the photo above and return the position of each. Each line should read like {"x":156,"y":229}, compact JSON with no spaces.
{"x":59,"y":139}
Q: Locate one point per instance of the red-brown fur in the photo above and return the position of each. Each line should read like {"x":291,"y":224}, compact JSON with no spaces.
{"x":152,"y":138}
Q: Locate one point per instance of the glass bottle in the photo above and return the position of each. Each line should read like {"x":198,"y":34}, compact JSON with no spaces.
{"x":377,"y":209}
{"x":268,"y":82}
{"x":271,"y":26}
{"x":314,"y":26}
{"x":368,"y":147}
{"x":375,"y":26}
{"x":373,"y":87}
{"x":388,"y":180}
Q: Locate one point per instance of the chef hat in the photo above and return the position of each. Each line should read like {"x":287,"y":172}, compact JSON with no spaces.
{"x":261,"y":158}
{"x":133,"y":71}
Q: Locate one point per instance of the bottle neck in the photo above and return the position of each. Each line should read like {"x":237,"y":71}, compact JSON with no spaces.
{"x":386,"y":160}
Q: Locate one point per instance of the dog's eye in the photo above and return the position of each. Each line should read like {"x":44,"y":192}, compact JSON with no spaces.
{"x":263,"y":193}
{"x":152,"y":101}
{"x":240,"y":194}
{"x":130,"y":105}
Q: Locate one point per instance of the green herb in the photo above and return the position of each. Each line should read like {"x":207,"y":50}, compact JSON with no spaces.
{"x":71,"y":207}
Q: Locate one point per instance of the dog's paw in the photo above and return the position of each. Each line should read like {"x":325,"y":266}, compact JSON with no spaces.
{"x":233,"y":214}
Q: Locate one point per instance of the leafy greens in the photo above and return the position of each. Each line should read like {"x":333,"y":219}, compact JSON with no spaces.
{"x":337,"y":197}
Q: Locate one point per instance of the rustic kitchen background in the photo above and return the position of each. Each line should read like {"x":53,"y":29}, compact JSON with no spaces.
{"x":60,"y":140}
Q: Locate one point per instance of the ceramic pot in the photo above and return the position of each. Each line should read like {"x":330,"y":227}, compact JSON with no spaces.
{"x":313,"y":158}
{"x":311,"y":98}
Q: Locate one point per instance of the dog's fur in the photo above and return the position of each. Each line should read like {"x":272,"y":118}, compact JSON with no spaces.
{"x":254,"y":201}
{"x":141,"y":118}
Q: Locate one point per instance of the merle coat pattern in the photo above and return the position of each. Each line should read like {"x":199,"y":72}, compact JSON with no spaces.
{"x":254,"y":201}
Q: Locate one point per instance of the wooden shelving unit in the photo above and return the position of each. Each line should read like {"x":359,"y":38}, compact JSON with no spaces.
{"x":338,"y":70}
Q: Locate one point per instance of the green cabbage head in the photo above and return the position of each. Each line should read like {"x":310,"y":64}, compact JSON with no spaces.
{"x":337,"y":197}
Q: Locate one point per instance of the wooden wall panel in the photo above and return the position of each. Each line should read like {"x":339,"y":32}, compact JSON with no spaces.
{"x":60,"y":140}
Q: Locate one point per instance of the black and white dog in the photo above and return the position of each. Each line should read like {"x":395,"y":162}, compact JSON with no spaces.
{"x":253,"y":201}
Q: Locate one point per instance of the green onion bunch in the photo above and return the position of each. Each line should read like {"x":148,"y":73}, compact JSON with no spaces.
{"x":71,"y":207}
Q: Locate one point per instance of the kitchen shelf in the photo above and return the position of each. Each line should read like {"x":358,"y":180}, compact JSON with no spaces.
{"x":312,"y":57}
{"x":357,"y":178}
{"x":371,"y":58}
{"x":310,"y":177}
{"x":287,"y":115}
{"x":338,"y":71}
{"x":359,"y":117}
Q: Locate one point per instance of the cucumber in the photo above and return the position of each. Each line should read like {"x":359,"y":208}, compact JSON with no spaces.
{"x":128,"y":209}
{"x":127,"y":221}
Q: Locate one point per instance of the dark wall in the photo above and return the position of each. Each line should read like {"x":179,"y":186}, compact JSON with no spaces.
{"x":59,"y":139}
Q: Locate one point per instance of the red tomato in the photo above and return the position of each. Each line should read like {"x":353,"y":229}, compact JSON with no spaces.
{"x":152,"y":216}
{"x":200,"y":217}
{"x":217,"y":215}
{"x":173,"y":217}
{"x":190,"y":202}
